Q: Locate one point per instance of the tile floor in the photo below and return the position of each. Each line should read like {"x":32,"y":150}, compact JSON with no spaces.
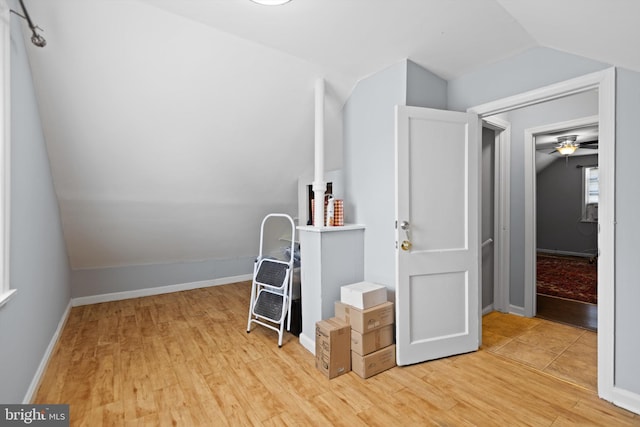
{"x":563,"y":351}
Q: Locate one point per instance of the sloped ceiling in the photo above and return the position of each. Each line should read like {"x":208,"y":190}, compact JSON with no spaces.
{"x":174,"y":126}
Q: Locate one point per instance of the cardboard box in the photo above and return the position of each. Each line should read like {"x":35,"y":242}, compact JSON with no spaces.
{"x":366,"y":320}
{"x":363,"y":295}
{"x":363,"y":344}
{"x":333,"y":347}
{"x":373,"y":363}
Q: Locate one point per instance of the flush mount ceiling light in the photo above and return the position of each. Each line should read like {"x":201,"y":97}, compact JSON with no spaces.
{"x":567,"y":144}
{"x":271,"y":2}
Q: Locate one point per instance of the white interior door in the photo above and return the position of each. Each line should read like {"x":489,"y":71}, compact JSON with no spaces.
{"x":437,"y":234}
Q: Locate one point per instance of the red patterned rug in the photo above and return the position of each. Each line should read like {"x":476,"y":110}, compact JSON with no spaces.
{"x":567,"y":277}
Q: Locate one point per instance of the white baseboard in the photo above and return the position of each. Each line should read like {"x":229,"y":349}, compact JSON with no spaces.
{"x":117,"y":296}
{"x":488,"y":309}
{"x":517,"y":310}
{"x":626,"y":399}
{"x":308,"y":343}
{"x":35,"y":382}
{"x":568,"y":253}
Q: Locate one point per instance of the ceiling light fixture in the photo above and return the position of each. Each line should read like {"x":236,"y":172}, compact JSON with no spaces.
{"x":567,"y":144}
{"x":271,"y":2}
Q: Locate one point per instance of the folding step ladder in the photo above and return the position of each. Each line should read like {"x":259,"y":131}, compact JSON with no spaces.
{"x":272,"y":283}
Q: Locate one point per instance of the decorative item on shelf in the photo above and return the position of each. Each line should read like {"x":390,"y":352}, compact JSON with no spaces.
{"x":313,"y":211}
{"x":330,"y":212}
{"x":333,"y":211}
{"x":338,"y":212}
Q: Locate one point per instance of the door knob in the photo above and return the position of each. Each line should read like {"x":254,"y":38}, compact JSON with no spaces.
{"x":406,"y":244}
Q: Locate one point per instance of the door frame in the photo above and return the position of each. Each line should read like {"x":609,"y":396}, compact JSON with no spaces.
{"x":530,"y":228}
{"x":604,"y":82}
{"x":501,"y":204}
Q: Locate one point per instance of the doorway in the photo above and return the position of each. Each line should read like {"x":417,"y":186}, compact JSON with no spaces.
{"x":566,"y":200}
{"x":603,"y":83}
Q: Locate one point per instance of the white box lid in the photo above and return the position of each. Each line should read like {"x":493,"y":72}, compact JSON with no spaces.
{"x":363,"y":295}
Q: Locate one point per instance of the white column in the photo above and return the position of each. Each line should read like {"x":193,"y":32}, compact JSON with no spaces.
{"x":319,"y":186}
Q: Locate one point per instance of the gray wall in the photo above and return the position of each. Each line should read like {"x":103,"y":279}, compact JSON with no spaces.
{"x":39,"y":265}
{"x":560,"y":110}
{"x":532,"y":69}
{"x":539,"y":67}
{"x":627,"y":293}
{"x":425,"y":89}
{"x":369,"y":153}
{"x":559,"y":208}
{"x":101,"y":281}
{"x":488,"y":197}
{"x":368,"y":130}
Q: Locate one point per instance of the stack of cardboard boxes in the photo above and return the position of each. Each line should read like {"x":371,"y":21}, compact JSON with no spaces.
{"x":364,"y":314}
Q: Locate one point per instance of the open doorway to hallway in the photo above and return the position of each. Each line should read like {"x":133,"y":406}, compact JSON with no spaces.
{"x":521,"y":277}
{"x":567,"y":224}
{"x":567,"y":230}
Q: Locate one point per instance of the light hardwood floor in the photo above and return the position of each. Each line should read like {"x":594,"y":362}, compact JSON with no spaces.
{"x":186,"y":359}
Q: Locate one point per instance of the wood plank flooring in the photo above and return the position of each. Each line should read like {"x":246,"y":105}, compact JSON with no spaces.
{"x":185,"y":359}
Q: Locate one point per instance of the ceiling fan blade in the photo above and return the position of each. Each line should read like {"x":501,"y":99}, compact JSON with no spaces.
{"x":589,"y":148}
{"x":589,"y":143}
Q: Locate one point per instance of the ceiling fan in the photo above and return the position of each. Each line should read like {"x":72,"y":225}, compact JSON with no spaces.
{"x":568,"y":144}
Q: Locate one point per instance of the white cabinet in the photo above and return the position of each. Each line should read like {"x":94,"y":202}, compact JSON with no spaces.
{"x":330,"y":257}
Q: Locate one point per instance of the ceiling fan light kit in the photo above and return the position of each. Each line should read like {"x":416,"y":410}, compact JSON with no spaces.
{"x":567,"y":144}
{"x":567,"y":148}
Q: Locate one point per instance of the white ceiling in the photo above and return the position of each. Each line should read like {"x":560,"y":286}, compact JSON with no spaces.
{"x":173,"y":126}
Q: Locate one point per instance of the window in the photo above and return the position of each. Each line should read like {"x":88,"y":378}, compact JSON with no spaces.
{"x":5,"y":136}
{"x":590,"y":194}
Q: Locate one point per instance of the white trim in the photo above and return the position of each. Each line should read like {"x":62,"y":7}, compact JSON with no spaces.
{"x":308,"y":343}
{"x":502,"y":217}
{"x":544,"y":94}
{"x":606,"y":234}
{"x":35,"y":382}
{"x":6,"y":296}
{"x":517,"y":310}
{"x":625,"y":399}
{"x":488,"y":309}
{"x":117,"y":296}
{"x":5,"y":151}
{"x":569,"y":253}
{"x":604,"y":82}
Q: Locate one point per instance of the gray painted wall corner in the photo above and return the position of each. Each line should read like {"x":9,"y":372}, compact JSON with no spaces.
{"x":39,"y":262}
